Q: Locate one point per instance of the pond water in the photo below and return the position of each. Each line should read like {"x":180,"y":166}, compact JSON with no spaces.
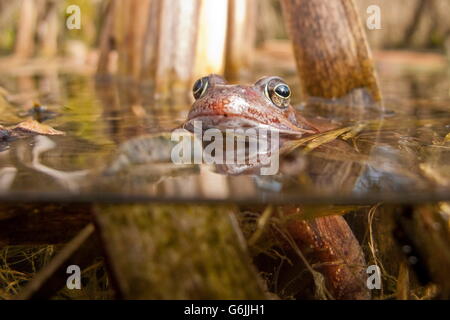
{"x":117,"y":143}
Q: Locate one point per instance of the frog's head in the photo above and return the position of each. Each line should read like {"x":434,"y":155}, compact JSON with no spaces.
{"x":265,"y":104}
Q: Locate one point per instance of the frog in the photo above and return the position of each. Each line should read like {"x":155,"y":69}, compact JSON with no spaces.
{"x":266,"y":104}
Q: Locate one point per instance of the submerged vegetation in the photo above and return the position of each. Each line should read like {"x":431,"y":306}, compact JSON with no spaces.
{"x":285,"y":271}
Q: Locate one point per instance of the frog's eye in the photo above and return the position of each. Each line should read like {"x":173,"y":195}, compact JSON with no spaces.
{"x":282,"y":91}
{"x":200,"y":87}
{"x":279,"y":92}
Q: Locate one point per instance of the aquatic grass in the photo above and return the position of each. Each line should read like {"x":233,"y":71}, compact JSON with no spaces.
{"x":19,"y":264}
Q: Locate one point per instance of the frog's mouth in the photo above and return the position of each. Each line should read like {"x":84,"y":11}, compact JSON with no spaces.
{"x":229,"y":121}
{"x":220,"y":122}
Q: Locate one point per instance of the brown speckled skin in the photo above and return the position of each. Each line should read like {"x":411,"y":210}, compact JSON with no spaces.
{"x":240,"y":106}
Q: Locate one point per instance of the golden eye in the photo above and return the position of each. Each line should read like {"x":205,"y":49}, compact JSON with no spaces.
{"x":279,"y":93}
{"x":200,"y":87}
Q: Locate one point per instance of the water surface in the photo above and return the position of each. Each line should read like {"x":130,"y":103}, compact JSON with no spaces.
{"x":402,"y":156}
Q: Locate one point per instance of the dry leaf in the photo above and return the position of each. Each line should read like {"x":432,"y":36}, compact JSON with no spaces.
{"x":34,"y":127}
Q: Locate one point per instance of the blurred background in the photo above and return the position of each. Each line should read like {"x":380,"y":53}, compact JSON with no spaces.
{"x":31,"y":28}
{"x":122,"y":36}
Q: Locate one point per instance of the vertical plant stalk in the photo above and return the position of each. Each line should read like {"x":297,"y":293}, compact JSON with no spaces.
{"x":26,"y":28}
{"x":211,"y":38}
{"x":158,"y":42}
{"x":151,"y":44}
{"x":240,"y":37}
{"x":106,"y":40}
{"x":331,"y":51}
{"x":136,"y":32}
{"x":130,"y":23}
{"x":176,"y":46}
{"x":48,"y":30}
{"x":419,"y":12}
{"x":169,"y":42}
